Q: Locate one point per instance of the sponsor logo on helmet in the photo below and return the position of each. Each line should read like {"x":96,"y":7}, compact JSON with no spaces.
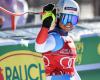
{"x":70,"y":8}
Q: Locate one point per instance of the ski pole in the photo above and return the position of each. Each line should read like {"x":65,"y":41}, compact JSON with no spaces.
{"x":13,"y":15}
{"x":18,"y":14}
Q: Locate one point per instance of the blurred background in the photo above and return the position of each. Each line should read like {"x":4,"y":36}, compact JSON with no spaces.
{"x":89,"y":10}
{"x":86,"y":34}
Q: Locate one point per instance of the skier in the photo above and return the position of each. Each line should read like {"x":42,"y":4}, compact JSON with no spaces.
{"x":59,"y":52}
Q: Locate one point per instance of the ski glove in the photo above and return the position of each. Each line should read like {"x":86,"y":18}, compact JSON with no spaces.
{"x":49,"y":15}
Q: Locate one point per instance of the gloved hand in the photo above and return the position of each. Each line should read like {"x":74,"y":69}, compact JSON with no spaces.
{"x":49,"y":15}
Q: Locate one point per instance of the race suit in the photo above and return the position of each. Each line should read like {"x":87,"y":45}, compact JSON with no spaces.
{"x":59,"y":52}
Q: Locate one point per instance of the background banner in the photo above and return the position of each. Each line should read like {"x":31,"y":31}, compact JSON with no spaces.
{"x":22,"y":65}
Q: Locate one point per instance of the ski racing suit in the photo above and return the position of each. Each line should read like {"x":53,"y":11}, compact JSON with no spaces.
{"x":59,"y":53}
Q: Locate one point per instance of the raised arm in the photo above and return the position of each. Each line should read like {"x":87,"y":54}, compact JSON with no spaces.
{"x":44,"y":40}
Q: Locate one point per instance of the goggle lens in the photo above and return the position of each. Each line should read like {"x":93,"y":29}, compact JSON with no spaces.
{"x":68,"y":18}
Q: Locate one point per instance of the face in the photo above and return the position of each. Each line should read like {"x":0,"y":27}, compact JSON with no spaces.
{"x":68,"y":27}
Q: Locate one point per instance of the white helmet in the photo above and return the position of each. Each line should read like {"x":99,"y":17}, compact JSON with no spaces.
{"x":68,"y":7}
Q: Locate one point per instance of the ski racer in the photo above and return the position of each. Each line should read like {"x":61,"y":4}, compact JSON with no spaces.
{"x":57,"y":48}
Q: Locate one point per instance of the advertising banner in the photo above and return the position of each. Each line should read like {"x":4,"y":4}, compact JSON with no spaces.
{"x":88,"y":60}
{"x":19,"y":63}
{"x":88,"y":49}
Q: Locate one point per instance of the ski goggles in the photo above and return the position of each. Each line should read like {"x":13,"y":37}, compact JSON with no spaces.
{"x":68,"y":18}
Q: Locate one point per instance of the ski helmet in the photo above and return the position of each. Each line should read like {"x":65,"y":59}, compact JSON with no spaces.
{"x":68,"y":11}
{"x":68,"y":7}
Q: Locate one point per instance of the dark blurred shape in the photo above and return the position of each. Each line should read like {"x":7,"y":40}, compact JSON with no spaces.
{"x":1,"y":21}
{"x":96,"y":4}
{"x":30,"y":18}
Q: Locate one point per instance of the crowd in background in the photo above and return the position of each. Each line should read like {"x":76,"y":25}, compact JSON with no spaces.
{"x":25,"y":5}
{"x":15,"y":6}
